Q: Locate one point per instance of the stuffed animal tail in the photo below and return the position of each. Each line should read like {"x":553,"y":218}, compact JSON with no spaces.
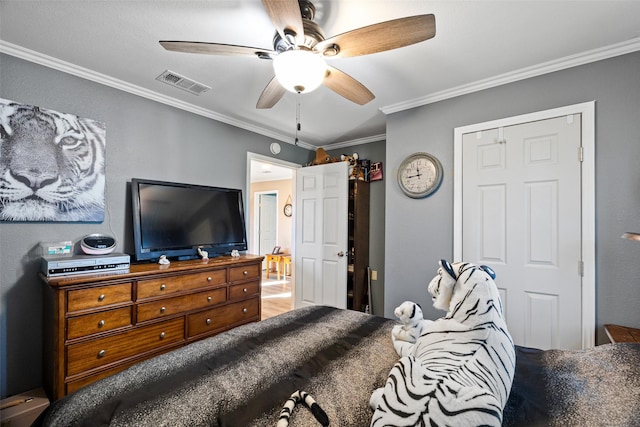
{"x":305,"y":397}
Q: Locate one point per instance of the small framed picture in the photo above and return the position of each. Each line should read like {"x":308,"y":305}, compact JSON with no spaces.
{"x":376,"y":171}
{"x":276,"y":250}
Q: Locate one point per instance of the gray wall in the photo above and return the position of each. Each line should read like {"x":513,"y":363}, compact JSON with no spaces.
{"x":419,"y":232}
{"x":145,"y":139}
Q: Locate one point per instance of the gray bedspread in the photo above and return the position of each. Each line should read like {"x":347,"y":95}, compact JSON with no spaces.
{"x":243,"y":377}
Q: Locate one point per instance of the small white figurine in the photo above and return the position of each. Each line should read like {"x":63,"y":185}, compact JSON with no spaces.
{"x":163,"y":260}
{"x":203,"y":254}
{"x":235,"y":253}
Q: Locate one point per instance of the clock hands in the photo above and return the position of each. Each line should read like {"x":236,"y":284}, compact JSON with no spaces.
{"x":418,"y":174}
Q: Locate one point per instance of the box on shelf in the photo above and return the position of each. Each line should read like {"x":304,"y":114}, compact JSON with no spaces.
{"x":64,"y":248}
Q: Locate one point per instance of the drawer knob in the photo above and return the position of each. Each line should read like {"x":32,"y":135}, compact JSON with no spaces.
{"x":209,"y":279}
{"x":101,"y":324}
{"x":101,"y":353}
{"x":208,"y":321}
{"x":244,"y":310}
{"x":163,"y":287}
{"x":209,"y":299}
{"x":244,"y":290}
{"x":161,"y":335}
{"x":163,"y":309}
{"x":101,"y":297}
{"x":245,"y":272}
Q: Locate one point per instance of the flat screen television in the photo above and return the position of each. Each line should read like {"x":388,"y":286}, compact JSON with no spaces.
{"x":174,"y":220}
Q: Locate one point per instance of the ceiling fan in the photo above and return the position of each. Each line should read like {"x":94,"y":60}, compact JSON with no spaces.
{"x":300,"y":42}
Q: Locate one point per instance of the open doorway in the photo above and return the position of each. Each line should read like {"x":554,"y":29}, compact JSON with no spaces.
{"x":271,"y":186}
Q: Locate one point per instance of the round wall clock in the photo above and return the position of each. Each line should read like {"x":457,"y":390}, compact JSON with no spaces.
{"x":420,"y":175}
{"x":288,"y":208}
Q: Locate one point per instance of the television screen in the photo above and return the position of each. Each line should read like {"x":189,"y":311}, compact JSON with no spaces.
{"x":175,"y":219}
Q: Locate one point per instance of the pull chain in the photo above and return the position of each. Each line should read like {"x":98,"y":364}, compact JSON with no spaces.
{"x":297,"y":118}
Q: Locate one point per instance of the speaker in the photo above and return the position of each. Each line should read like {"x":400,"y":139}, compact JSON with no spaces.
{"x":97,"y":244}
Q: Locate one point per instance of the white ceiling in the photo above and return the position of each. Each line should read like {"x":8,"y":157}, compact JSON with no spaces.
{"x":265,"y":171}
{"x":478,"y":44}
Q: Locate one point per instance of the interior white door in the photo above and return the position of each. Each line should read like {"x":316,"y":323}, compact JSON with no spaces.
{"x":521,"y":213}
{"x":321,"y":235}
{"x":268,"y":220}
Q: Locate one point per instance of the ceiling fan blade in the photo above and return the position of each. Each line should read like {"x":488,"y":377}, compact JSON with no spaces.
{"x":216,"y":49}
{"x":285,"y":15}
{"x":380,"y":37}
{"x":346,"y":86}
{"x":271,"y":94}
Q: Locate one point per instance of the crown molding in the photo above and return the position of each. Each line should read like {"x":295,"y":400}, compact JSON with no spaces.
{"x":594,"y":55}
{"x":352,"y":142}
{"x":85,"y":73}
{"x":618,"y":49}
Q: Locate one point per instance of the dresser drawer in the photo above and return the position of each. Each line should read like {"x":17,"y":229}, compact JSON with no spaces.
{"x":177,"y":305}
{"x":245,"y":272}
{"x":102,"y":296}
{"x":89,"y":324}
{"x":103,"y":351}
{"x":82,"y":382}
{"x":243,"y":290}
{"x":222,"y":317}
{"x":168,"y":285}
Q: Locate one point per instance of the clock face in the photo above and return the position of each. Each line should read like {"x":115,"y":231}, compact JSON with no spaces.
{"x":420,"y":175}
{"x":288,"y":209}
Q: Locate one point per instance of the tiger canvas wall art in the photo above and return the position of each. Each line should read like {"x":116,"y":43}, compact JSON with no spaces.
{"x":52,"y":165}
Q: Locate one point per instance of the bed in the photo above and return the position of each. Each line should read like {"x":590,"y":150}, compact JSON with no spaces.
{"x":243,"y":377}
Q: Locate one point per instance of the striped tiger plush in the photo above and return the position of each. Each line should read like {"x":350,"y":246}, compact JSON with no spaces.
{"x":309,"y":402}
{"x":460,"y":370}
{"x":51,"y":165}
{"x":407,"y":333}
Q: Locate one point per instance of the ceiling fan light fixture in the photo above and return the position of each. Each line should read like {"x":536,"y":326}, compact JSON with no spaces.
{"x":299,"y":71}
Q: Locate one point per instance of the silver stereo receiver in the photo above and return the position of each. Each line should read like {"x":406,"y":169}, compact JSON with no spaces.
{"x":83,"y":264}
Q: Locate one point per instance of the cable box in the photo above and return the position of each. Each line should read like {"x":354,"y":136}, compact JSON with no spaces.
{"x":84,"y":264}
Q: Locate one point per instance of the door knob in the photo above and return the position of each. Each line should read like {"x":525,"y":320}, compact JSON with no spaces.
{"x":341,"y":254}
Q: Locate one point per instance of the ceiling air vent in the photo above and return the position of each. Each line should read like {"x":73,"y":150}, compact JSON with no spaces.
{"x":181,"y":82}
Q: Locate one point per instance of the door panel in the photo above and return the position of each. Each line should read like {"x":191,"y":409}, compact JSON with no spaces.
{"x":267,"y":211}
{"x":321,"y":236}
{"x":521,"y":215}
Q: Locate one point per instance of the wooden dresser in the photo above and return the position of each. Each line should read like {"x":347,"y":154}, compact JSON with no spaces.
{"x":617,"y":333}
{"x":97,"y":325}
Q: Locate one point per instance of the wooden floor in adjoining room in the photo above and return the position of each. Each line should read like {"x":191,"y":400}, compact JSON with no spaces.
{"x":277,"y":296}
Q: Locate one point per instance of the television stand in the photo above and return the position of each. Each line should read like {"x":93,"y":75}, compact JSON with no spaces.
{"x":98,"y":324}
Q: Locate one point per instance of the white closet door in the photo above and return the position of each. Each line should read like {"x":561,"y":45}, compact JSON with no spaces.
{"x":521,"y":216}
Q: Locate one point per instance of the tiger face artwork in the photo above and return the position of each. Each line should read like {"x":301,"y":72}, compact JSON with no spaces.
{"x":51,"y":165}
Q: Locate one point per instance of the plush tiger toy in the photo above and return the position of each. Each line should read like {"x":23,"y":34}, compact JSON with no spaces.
{"x":460,"y":370}
{"x":406,"y":334}
{"x":51,"y":165}
{"x":309,"y":402}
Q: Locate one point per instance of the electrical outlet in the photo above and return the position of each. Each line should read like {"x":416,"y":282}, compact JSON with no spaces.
{"x":374,"y":275}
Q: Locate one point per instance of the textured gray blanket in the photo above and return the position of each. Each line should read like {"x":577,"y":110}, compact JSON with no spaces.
{"x":589,"y":388}
{"x":243,"y":377}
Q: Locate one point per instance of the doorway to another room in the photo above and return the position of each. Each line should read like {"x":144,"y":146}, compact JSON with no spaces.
{"x":271,"y":187}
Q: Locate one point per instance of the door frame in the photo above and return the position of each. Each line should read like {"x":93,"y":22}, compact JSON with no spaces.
{"x":284,"y":163}
{"x":588,"y":228}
